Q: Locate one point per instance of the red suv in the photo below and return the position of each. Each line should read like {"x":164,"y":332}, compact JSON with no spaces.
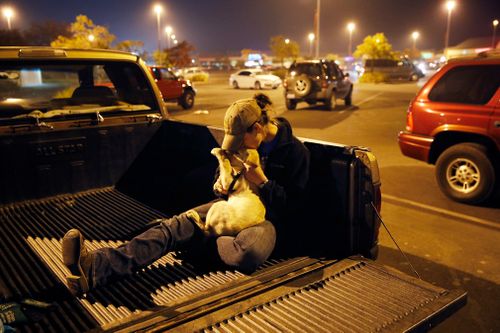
{"x":454,"y":123}
{"x":174,"y":88}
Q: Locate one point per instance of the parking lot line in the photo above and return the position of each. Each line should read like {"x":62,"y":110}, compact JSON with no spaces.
{"x":468,"y":218}
{"x":369,"y":99}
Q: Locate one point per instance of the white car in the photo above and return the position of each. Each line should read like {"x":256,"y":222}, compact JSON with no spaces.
{"x":190,"y":72}
{"x":254,"y":78}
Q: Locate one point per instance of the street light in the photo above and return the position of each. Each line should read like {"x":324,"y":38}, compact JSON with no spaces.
{"x":168,"y":30}
{"x":311,"y":39}
{"x":287,"y":41}
{"x":450,"y":5}
{"x":414,"y":36}
{"x":8,"y":13}
{"x":158,"y":9}
{"x":493,"y":40}
{"x":350,"y":28}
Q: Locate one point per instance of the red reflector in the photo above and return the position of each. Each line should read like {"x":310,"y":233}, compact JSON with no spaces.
{"x":409,"y":120}
{"x":324,"y":84}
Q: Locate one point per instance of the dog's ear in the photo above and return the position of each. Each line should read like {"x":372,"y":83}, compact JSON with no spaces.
{"x":216,"y":151}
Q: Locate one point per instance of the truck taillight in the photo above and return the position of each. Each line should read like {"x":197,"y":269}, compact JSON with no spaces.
{"x":409,"y":119}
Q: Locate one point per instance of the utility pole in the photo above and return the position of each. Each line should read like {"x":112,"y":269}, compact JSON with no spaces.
{"x":316,"y":27}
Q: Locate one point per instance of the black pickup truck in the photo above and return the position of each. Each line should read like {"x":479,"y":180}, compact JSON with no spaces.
{"x":86,"y":142}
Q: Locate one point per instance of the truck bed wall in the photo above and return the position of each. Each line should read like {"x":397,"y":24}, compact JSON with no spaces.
{"x":167,"y":166}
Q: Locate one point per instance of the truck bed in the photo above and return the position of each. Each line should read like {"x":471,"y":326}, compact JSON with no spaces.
{"x":301,"y":294}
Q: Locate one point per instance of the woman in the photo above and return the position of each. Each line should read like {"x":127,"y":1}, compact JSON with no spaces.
{"x":282,"y":178}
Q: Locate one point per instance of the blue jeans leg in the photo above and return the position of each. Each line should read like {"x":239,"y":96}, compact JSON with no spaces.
{"x":141,"y":250}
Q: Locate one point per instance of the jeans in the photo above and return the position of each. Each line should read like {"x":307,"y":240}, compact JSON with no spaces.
{"x":250,"y":248}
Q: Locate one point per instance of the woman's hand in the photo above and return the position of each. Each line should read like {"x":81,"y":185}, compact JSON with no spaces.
{"x":254,"y":174}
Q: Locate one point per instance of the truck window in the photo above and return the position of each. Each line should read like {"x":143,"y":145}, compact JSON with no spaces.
{"x":467,"y":85}
{"x":66,"y":89}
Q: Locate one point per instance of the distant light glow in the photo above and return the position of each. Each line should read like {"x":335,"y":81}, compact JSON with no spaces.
{"x":8,"y":12}
{"x":287,"y":41}
{"x":415,"y":35}
{"x":311,"y":36}
{"x":495,"y":23}
{"x":450,"y":5}
{"x":158,"y":9}
{"x":351,"y":26}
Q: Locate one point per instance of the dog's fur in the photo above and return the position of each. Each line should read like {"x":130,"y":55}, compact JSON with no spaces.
{"x":243,"y":208}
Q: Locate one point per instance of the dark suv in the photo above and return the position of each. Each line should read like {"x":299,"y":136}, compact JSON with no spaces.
{"x":316,"y":81}
{"x":174,"y":88}
{"x":454,"y":122}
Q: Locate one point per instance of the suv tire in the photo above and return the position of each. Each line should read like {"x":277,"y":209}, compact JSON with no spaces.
{"x":187,"y":100}
{"x":331,"y":102}
{"x":302,"y":86}
{"x":291,"y":104}
{"x":348,"y":98}
{"x":465,"y":173}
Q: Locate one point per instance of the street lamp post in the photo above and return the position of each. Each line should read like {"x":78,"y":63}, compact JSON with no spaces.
{"x":450,"y":5}
{"x":8,"y":13}
{"x":316,"y":26}
{"x":158,"y":9}
{"x":350,"y":28}
{"x":414,"y":36}
{"x":168,"y":30}
{"x":311,"y":39}
{"x":493,"y":39}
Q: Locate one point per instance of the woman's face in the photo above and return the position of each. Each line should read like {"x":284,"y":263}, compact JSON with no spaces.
{"x":254,"y":138}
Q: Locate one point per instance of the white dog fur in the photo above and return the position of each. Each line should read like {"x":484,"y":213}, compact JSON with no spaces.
{"x":243,"y":208}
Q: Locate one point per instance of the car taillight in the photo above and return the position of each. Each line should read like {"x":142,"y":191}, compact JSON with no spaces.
{"x":285,"y":83}
{"x":409,"y":119}
{"x":324,"y":84}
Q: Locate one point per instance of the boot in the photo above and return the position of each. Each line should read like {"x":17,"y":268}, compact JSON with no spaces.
{"x":78,"y":260}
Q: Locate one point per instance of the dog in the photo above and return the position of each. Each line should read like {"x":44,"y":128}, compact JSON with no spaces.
{"x":243,"y":207}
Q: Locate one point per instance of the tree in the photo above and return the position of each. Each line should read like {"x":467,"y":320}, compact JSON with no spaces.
{"x":375,"y":47}
{"x":11,"y":38}
{"x":161,"y":58}
{"x":179,"y":55}
{"x":43,"y":33}
{"x":85,"y":34}
{"x":282,"y":50}
{"x":132,"y":46}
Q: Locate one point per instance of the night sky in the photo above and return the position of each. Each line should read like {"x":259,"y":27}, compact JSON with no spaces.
{"x":217,"y":27}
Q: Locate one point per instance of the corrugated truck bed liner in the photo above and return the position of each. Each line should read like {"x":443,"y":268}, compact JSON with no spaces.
{"x":296,"y":294}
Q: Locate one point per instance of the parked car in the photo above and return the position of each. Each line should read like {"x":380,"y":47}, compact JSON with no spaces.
{"x":454,"y":123}
{"x":191,"y":73}
{"x":174,"y":88}
{"x":254,"y":78}
{"x":401,"y":69}
{"x":314,"y":81}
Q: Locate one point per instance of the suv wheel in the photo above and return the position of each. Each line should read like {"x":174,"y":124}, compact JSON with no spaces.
{"x":187,"y":100}
{"x":256,"y":86}
{"x":348,"y":98}
{"x":465,"y":173}
{"x":291,"y":104}
{"x":331,"y":102}
{"x":302,"y":86}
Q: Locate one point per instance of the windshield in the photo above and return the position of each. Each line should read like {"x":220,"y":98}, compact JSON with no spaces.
{"x":67,"y":89}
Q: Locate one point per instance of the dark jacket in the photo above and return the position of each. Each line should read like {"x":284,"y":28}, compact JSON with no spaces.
{"x":287,"y":168}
